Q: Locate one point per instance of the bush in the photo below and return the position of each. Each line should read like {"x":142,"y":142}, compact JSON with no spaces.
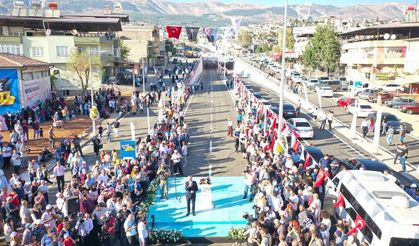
{"x":236,"y":233}
{"x":165,"y":236}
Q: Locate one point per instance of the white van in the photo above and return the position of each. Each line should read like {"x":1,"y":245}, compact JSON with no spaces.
{"x":390,"y":214}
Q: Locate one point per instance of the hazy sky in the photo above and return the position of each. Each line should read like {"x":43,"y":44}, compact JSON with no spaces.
{"x":281,"y":2}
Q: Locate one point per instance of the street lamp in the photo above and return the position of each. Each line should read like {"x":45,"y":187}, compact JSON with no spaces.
{"x":281,"y":85}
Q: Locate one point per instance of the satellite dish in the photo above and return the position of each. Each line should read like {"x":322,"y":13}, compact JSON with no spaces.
{"x":386,"y":36}
{"x":48,"y":32}
{"x":74,"y":32}
{"x":393,"y":36}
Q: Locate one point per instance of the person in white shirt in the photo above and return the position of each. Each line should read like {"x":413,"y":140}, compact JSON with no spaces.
{"x":142,"y":232}
{"x":59,"y":172}
{"x":130,"y":230}
{"x":275,"y":201}
{"x":48,"y":217}
{"x":16,"y":160}
{"x":177,"y":167}
{"x":62,"y":204}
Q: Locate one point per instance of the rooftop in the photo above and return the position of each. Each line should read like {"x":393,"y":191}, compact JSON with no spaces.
{"x":410,"y":30}
{"x":15,"y":61}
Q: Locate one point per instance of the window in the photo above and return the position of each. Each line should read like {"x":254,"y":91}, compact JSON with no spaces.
{"x":37,"y":51}
{"x":62,"y":51}
{"x":11,"y":49}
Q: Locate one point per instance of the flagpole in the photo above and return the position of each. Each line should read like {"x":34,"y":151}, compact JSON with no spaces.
{"x":281,"y":85}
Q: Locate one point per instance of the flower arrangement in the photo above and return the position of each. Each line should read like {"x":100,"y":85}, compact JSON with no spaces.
{"x":206,"y":180}
{"x":150,"y":196}
{"x":236,"y":233}
{"x":165,"y":236}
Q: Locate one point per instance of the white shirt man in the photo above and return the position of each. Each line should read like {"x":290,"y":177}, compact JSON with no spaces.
{"x":142,"y":232}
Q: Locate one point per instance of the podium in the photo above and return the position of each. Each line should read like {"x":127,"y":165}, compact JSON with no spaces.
{"x":205,"y":198}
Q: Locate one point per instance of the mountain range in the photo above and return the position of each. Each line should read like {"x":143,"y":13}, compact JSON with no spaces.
{"x":217,"y":13}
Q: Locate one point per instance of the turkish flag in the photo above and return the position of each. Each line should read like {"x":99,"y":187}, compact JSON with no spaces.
{"x":296,"y":145}
{"x":359,"y":225}
{"x":283,"y":126}
{"x":340,"y":203}
{"x":273,"y":124}
{"x":320,"y":178}
{"x":174,"y":31}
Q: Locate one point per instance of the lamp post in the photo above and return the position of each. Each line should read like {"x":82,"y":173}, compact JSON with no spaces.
{"x":281,"y":85}
{"x":92,"y":98}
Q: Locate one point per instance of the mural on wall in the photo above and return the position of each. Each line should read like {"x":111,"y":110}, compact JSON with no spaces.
{"x":9,"y":91}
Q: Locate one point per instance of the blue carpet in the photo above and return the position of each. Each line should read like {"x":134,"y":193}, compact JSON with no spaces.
{"x":227,"y":212}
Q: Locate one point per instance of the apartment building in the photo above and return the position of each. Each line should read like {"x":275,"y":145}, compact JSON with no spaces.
{"x":51,"y":36}
{"x":377,"y":54}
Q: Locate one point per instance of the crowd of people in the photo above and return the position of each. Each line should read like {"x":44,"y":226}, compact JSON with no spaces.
{"x":289,"y":193}
{"x":101,"y":203}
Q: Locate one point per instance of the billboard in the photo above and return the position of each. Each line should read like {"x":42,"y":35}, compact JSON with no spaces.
{"x":9,"y":91}
{"x":127,"y":149}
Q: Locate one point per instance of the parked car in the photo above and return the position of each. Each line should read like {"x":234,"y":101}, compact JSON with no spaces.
{"x":410,"y":109}
{"x":375,"y":165}
{"x":336,"y":85}
{"x":365,"y":94}
{"x":289,"y":111}
{"x":361,"y":110}
{"x":392,"y":120}
{"x":325,"y":91}
{"x":345,"y":101}
{"x":391,"y":87}
{"x":311,"y":83}
{"x":396,"y":102}
{"x":385,"y":96}
{"x":301,"y":126}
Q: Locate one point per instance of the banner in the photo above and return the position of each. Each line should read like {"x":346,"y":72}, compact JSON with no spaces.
{"x":211,"y":34}
{"x":9,"y":91}
{"x":173,"y":31}
{"x":192,"y":33}
{"x":127,"y":149}
{"x":236,"y":22}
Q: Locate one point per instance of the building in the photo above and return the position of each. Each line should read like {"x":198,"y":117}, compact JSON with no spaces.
{"x":377,"y":54}
{"x":23,"y":82}
{"x":51,"y":37}
{"x":143,"y":41}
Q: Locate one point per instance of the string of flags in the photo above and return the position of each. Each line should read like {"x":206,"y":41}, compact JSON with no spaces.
{"x":210,"y":33}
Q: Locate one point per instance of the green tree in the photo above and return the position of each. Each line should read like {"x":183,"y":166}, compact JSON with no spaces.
{"x":259,"y":49}
{"x":290,"y":41}
{"x":276,"y":49}
{"x":124,"y":49}
{"x":79,"y":64}
{"x":245,"y":38}
{"x":323,"y":50}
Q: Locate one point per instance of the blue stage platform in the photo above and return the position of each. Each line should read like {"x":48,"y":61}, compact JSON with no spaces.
{"x":228,"y":210}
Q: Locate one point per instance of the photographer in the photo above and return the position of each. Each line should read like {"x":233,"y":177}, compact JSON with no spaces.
{"x":84,"y":226}
{"x":252,"y":235}
{"x":163,"y":175}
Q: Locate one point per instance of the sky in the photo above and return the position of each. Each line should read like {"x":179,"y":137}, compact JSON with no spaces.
{"x":291,"y":2}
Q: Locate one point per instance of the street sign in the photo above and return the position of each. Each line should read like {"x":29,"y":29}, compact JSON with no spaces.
{"x":127,"y":149}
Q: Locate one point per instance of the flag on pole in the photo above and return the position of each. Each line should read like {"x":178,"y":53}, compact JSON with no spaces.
{"x":211,"y":34}
{"x":192,"y":33}
{"x":359,"y":225}
{"x":296,"y":145}
{"x":173,"y":31}
{"x":340,"y":203}
{"x":307,"y":161}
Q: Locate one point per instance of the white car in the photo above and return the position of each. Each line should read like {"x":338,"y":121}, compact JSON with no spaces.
{"x":391,"y":87}
{"x":311,"y":83}
{"x":361,"y":110}
{"x":297,"y":79}
{"x":301,"y":126}
{"x":325,"y":91}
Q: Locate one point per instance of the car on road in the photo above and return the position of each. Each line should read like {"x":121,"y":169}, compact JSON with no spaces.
{"x":385,"y":96}
{"x":257,"y":95}
{"x":396,"y":102}
{"x":302,"y":127}
{"x":289,"y":111}
{"x":361,"y":110}
{"x":311,"y":83}
{"x":325,"y":91}
{"x":378,"y":166}
{"x":345,"y":101}
{"x":410,"y":109}
{"x":392,"y":120}
{"x":266,"y":103}
{"x":391,"y":87}
{"x":365,"y":94}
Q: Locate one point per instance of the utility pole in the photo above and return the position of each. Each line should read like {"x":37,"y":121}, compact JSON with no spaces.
{"x":282,"y":82}
{"x":92,"y":97}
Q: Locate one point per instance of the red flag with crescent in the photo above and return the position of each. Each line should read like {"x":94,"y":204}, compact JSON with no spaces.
{"x":174,"y":31}
{"x":340,"y":203}
{"x":307,"y":161}
{"x":359,"y":225}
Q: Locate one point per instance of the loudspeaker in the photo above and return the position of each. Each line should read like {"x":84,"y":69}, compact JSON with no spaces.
{"x":73,"y":205}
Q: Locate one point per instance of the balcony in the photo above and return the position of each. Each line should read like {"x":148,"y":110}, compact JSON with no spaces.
{"x":92,"y":40}
{"x":355,"y":58}
{"x":10,"y":39}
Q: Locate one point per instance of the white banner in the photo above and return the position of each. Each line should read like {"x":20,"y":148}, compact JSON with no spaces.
{"x":36,"y":90}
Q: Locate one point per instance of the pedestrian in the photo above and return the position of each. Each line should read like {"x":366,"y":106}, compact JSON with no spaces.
{"x":323,"y":119}
{"x":142,"y":231}
{"x":177,"y":167}
{"x":237,"y":138}
{"x":16,"y":161}
{"x":298,"y":107}
{"x":191,"y":187}
{"x":116,"y":128}
{"x":100,"y":130}
{"x":51,"y":137}
{"x":202,"y":86}
{"x":7,"y":155}
{"x":163,"y":176}
{"x":315,"y":113}
{"x":364,"y":127}
{"x":389,"y":135}
{"x":59,"y":172}
{"x":384,"y":125}
{"x":402,"y":153}
{"x":403,"y":132}
{"x":130,"y":230}
{"x":230,"y":128}
{"x":239,"y":118}
{"x":330,"y":119}
{"x":109,"y":132}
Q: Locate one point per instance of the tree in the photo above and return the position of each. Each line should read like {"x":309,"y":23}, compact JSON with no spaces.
{"x":276,"y":49}
{"x":290,"y":41}
{"x":125,"y":50}
{"x":245,"y":38}
{"x":79,"y":64}
{"x":323,"y":50}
